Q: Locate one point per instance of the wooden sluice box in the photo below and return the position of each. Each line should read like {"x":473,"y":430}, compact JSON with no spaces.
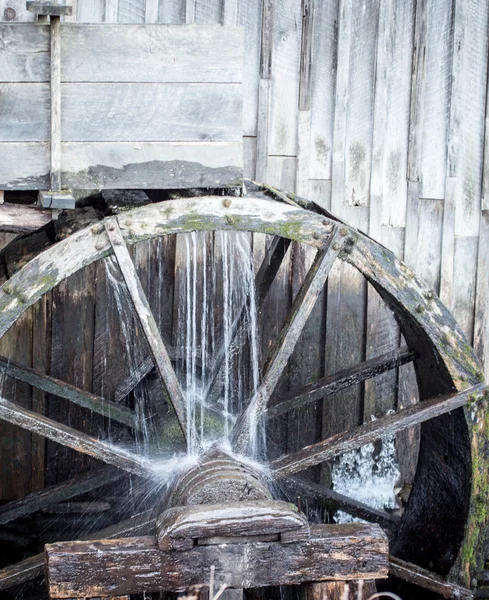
{"x":119,"y":106}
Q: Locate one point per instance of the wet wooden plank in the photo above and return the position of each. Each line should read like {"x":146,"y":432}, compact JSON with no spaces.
{"x":427,"y":580}
{"x":137,"y":565}
{"x":30,"y":568}
{"x":481,"y":325}
{"x":340,"y":380}
{"x":54,"y":386}
{"x":369,"y":432}
{"x":71,"y":438}
{"x":153,"y":337}
{"x":178,"y":525}
{"x":61,"y":492}
{"x":285,"y":343}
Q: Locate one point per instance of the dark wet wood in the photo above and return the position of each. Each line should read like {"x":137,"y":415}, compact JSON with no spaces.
{"x":71,"y":438}
{"x":81,"y":569}
{"x":61,"y":492}
{"x":30,"y":568}
{"x":427,"y":580}
{"x":284,"y":345}
{"x":308,"y":490}
{"x":339,"y":590}
{"x":54,"y":386}
{"x":341,"y":380}
{"x":153,"y":337}
{"x":178,"y":527}
{"x":369,"y":432}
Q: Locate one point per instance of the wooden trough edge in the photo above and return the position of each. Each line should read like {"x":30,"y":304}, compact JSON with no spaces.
{"x":136,"y":565}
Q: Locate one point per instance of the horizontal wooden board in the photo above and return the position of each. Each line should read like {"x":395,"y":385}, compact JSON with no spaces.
{"x":135,"y":565}
{"x":123,"y":165}
{"x":123,"y":53}
{"x":101,"y":112}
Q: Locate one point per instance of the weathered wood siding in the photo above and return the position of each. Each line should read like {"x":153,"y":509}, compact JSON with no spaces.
{"x":377,"y":114}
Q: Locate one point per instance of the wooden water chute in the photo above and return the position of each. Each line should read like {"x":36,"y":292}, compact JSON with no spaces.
{"x":440,"y":543}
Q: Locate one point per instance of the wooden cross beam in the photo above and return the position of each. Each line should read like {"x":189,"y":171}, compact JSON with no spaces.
{"x":137,"y":565}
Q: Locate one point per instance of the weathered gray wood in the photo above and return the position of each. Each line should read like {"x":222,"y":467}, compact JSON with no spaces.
{"x":30,"y":568}
{"x":157,"y":348}
{"x":305,"y":77}
{"x":46,"y":9}
{"x":151,"y":53}
{"x":136,"y":565}
{"x":109,"y":409}
{"x":22,"y":219}
{"x":55,"y":101}
{"x":427,"y":580}
{"x":287,"y":339}
{"x":67,"y":436}
{"x":343,"y":379}
{"x":82,"y":484}
{"x":208,"y":164}
{"x":308,"y":491}
{"x":193,"y":112}
{"x":90,"y":507}
{"x":121,"y":53}
{"x":481,"y":327}
{"x":84,"y":247}
{"x":235,"y":519}
{"x":369,"y":432}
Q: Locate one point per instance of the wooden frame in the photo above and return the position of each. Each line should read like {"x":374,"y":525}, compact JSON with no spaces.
{"x":444,"y":362}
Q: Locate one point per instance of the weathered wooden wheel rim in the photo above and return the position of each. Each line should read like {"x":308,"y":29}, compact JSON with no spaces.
{"x":449,"y":503}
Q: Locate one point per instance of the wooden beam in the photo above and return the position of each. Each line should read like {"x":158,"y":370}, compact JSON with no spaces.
{"x":136,"y":565}
{"x":16,"y":218}
{"x":86,"y":482}
{"x":341,"y":380}
{"x":284,"y":345}
{"x":308,"y":490}
{"x":263,"y":281}
{"x":81,"y":442}
{"x":369,"y":432}
{"x":178,"y":527}
{"x":55,"y":104}
{"x":153,"y":337}
{"x":54,"y":386}
{"x":32,"y":567}
{"x":427,"y":580}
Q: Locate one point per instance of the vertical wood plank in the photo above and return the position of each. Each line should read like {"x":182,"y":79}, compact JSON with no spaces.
{"x":249,"y":16}
{"x":285,"y":78}
{"x":323,"y":88}
{"x":151,"y":11}
{"x":111,"y":11}
{"x":131,"y":11}
{"x":55,"y":104}
{"x":465,"y":156}
{"x":90,"y":11}
{"x":481,"y":328}
{"x":209,"y":11}
{"x":172,"y":12}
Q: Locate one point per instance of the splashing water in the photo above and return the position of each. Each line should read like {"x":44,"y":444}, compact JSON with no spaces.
{"x":369,"y":475}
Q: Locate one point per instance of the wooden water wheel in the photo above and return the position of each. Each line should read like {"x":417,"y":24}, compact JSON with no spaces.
{"x":441,"y":540}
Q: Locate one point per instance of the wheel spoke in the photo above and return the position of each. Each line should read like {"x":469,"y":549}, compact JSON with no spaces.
{"x":77,"y":486}
{"x":153,"y":337}
{"x":427,"y":580}
{"x":341,"y":380}
{"x":287,"y":339}
{"x":309,"y":490}
{"x":67,"y":436}
{"x":269,"y":267}
{"x":48,"y":384}
{"x":369,"y":432}
{"x":32,"y":567}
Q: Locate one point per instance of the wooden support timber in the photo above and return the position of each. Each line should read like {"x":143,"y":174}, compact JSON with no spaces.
{"x":137,"y":565}
{"x":286,"y":341}
{"x":153,"y":337}
{"x":16,"y":218}
{"x":51,"y":385}
{"x":369,"y":432}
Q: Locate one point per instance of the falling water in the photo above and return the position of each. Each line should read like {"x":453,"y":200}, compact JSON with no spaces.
{"x":369,"y":474}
